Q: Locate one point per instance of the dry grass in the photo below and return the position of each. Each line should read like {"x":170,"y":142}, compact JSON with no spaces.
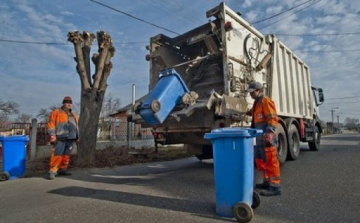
{"x":117,"y":156}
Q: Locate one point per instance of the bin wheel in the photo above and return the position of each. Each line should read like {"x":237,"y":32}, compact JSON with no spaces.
{"x":243,"y":212}
{"x":155,"y":105}
{"x":4,"y":176}
{"x":256,"y":200}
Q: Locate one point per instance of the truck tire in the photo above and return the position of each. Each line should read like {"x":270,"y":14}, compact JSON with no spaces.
{"x":207,"y":153}
{"x":294,"y":143}
{"x":315,"y":144}
{"x":282,"y":145}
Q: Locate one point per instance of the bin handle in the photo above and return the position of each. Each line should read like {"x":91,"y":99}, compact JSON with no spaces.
{"x":255,"y":132}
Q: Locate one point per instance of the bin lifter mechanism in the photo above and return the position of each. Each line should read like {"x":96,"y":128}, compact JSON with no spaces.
{"x":223,"y":105}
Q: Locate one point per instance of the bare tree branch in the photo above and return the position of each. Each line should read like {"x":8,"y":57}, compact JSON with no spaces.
{"x":107,"y":69}
{"x":78,"y":40}
{"x":9,"y":107}
{"x":88,"y":40}
{"x":104,"y":42}
{"x":23,"y":118}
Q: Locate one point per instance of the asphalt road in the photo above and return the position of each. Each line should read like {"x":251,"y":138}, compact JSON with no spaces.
{"x":321,"y":186}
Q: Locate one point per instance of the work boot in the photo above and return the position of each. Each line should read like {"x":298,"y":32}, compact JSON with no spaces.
{"x":51,"y":175}
{"x":264,"y":185}
{"x":64,"y":173}
{"x":272,"y":191}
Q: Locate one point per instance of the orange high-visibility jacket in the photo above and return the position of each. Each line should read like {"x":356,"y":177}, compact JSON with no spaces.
{"x":264,"y":114}
{"x":58,"y":123}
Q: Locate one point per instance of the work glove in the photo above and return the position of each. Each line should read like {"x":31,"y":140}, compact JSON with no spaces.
{"x":52,"y":138}
{"x":269,"y":138}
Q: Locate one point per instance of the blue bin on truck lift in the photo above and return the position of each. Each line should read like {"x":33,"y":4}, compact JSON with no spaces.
{"x":14,"y":155}
{"x":234,"y":172}
{"x":163,"y":98}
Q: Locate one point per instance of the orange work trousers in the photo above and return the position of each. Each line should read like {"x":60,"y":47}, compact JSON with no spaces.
{"x":270,"y":166}
{"x":60,"y":155}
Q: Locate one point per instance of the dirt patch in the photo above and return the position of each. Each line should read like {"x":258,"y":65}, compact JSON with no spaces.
{"x":117,"y":156}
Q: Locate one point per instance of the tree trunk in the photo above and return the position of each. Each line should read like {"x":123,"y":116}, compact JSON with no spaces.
{"x":92,"y":96}
{"x":91,"y":103}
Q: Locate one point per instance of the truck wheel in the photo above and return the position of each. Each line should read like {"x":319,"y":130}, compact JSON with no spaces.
{"x":255,"y":200}
{"x":294,"y":143}
{"x":282,"y":146}
{"x":243,"y":212}
{"x":315,"y":144}
{"x":207,"y":153}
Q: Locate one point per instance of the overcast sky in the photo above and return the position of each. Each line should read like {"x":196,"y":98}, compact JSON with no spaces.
{"x":39,"y":75}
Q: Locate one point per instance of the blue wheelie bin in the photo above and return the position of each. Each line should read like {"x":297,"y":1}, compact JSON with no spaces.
{"x":163,"y":98}
{"x":234,"y":172}
{"x":14,"y":156}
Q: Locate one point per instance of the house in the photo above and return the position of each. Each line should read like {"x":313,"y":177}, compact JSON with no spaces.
{"x":120,"y":125}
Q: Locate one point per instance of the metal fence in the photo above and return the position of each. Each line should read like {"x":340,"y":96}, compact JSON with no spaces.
{"x":113,"y":130}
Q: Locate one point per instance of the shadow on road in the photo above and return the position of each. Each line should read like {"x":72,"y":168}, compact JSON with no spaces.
{"x":198,"y":208}
{"x":143,"y":174}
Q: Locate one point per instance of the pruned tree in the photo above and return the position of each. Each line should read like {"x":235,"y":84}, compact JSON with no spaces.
{"x":93,"y":88}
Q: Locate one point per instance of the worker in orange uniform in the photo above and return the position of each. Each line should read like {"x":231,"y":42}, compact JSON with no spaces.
{"x":264,"y":117}
{"x":63,"y":132}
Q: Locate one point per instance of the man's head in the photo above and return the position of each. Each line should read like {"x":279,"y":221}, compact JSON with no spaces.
{"x":255,"y":89}
{"x":67,"y":102}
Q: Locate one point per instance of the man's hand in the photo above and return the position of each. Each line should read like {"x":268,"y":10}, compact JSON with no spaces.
{"x":52,"y":138}
{"x":269,"y":139}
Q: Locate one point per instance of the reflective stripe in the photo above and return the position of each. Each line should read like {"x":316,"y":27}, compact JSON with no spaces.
{"x":64,"y":162}
{"x":271,"y":116}
{"x":275,"y":178}
{"x":58,"y":120}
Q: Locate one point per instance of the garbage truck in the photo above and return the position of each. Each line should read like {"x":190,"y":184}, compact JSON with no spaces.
{"x":213,"y":64}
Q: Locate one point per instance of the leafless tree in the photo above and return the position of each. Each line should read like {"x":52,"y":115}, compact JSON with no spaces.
{"x":44,"y":113}
{"x":110,"y":105}
{"x":93,"y":88}
{"x":351,"y":123}
{"x":23,"y":118}
{"x":8,"y":107}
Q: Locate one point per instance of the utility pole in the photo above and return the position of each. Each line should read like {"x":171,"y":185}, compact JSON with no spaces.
{"x":332,"y":116}
{"x":338,"y":120}
{"x":130,"y":126}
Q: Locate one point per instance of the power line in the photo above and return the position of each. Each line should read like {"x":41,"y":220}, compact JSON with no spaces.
{"x":262,"y":20}
{"x":344,"y":102}
{"x":342,"y":98}
{"x":32,"y":42}
{"x":327,"y":50}
{"x":131,"y":16}
{"x":289,"y":15}
{"x":58,"y":43}
{"x":323,"y":34}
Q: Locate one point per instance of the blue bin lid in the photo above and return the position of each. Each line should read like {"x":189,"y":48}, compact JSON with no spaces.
{"x":233,"y":132}
{"x":172,"y":71}
{"x":14,"y":138}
